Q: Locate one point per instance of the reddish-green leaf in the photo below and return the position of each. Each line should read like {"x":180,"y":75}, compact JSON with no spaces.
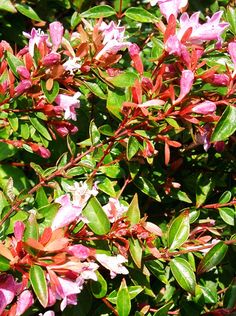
{"x":97,"y":218}
{"x":123,"y":300}
{"x":179,"y":231}
{"x":213,"y":257}
{"x":39,"y":284}
{"x":183,"y":274}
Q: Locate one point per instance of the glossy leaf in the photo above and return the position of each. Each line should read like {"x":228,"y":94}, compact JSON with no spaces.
{"x":50,"y":94}
{"x":157,"y":269}
{"x":225,"y":197}
{"x":114,"y":102}
{"x":212,"y":258}
{"x":102,"y":11}
{"x":230,"y":295}
{"x":133,"y":212}
{"x":203,"y":188}
{"x":124,"y":80}
{"x":135,"y":251}
{"x":231,"y":18}
{"x":183,"y":274}
{"x":140,"y":15}
{"x":123,"y":303}
{"x":163,"y":311}
{"x":107,"y":186}
{"x":99,"y":287}
{"x":132,"y":147}
{"x":224,"y":128}
{"x":4,"y":264}
{"x":13,"y":62}
{"x":147,"y":187}
{"x":97,"y":219}
{"x":95,"y":89}
{"x":228,"y":215}
{"x":7,"y":5}
{"x":133,"y":292}
{"x":39,"y":284}
{"x":39,"y":126}
{"x":179,"y":231}
{"x":28,"y":11}
{"x":94,"y":133}
{"x":6,"y":151}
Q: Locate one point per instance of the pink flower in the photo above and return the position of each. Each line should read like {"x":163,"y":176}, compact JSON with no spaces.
{"x":203,"y":137}
{"x":56,"y":30}
{"x":114,"y":209}
{"x":23,"y":86}
{"x":51,"y":59}
{"x":219,"y":79}
{"x":23,"y":72}
{"x":173,"y":45}
{"x":205,"y":107}
{"x":186,"y":82}
{"x":72,"y":65}
{"x":211,"y":30}
{"x":114,"y":264}
{"x":48,"y":313}
{"x":67,"y":213}
{"x":8,"y":290}
{"x":43,"y":152}
{"x":168,"y":7}
{"x":81,"y":193}
{"x":113,"y":39}
{"x":79,"y":251}
{"x":19,"y":228}
{"x":24,"y":301}
{"x":35,"y":38}
{"x":68,"y":104}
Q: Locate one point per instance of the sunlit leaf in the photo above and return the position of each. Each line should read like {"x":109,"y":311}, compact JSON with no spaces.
{"x":179,"y":231}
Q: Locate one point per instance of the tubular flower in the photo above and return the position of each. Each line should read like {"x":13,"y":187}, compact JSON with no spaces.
{"x":56,"y":31}
{"x":205,"y":107}
{"x":114,"y":264}
{"x":168,"y":7}
{"x":68,"y":104}
{"x":8,"y":289}
{"x":35,"y":38}
{"x":186,"y":82}
{"x":232,"y":52}
{"x":114,"y":209}
{"x":25,"y":300}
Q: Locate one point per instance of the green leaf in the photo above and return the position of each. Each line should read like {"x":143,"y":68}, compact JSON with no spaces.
{"x":4,"y":264}
{"x":6,"y":5}
{"x":115,"y":100}
{"x":6,"y":151}
{"x":107,"y":186}
{"x":94,"y":133}
{"x":95,"y":89}
{"x":213,"y":257}
{"x":98,"y":221}
{"x":132,"y":147}
{"x":179,"y":231}
{"x":19,"y":179}
{"x":52,"y":94}
{"x":226,"y":125}
{"x":230,"y":295}
{"x":13,"y":63}
{"x":102,"y":11}
{"x":210,"y":296}
{"x":99,"y":287}
{"x":228,"y":215}
{"x":157,"y":269}
{"x":163,"y":311}
{"x":133,"y":212}
{"x":231,"y":18}
{"x":28,"y":11}
{"x":13,"y":121}
{"x":133,"y":292}
{"x":19,"y":216}
{"x":203,"y":188}
{"x":124,"y":80}
{"x":41,"y":198}
{"x":123,"y":303}
{"x":136,"y":251}
{"x":140,"y":15}
{"x":225,"y":197}
{"x":31,"y":228}
{"x":39,"y":126}
{"x":147,"y":187}
{"x":106,"y":130}
{"x":180,"y":195}
{"x":183,"y":274}
{"x":39,"y":284}
{"x":114,"y":171}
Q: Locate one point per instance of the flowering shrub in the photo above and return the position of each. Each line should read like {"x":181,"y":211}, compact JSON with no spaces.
{"x":117,"y":162}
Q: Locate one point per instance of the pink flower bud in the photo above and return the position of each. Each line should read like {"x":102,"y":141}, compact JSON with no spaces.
{"x":25,"y":300}
{"x":19,"y":228}
{"x":133,"y":50}
{"x":51,"y":59}
{"x":186,"y":82}
{"x":56,"y":30}
{"x":205,"y":107}
{"x":219,"y":80}
{"x":232,"y":52}
{"x":23,"y":72}
{"x":23,"y":86}
{"x":79,"y":251}
{"x":43,"y":152}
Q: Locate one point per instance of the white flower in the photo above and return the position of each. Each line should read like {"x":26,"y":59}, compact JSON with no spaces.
{"x":72,"y":64}
{"x":114,"y":264}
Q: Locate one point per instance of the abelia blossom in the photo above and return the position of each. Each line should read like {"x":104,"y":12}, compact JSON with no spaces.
{"x":113,"y":39}
{"x":81,"y":193}
{"x":24,"y":301}
{"x":168,"y":7}
{"x":56,"y":31}
{"x":232,"y":52}
{"x":186,"y":82}
{"x":68,"y":104}
{"x":211,"y":30}
{"x":48,"y":313}
{"x":8,"y":289}
{"x":205,"y":107}
{"x":22,"y":87}
{"x":35,"y":38}
{"x":79,"y":251}
{"x":23,"y":72}
{"x":219,"y":80}
{"x":67,"y":213}
{"x":19,"y":228}
{"x":72,"y":65}
{"x":114,"y":210}
{"x":51,"y":59}
{"x":114,"y":264}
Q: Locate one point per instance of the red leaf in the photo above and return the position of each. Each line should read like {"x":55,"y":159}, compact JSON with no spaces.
{"x":167,"y":153}
{"x":170,"y":30}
